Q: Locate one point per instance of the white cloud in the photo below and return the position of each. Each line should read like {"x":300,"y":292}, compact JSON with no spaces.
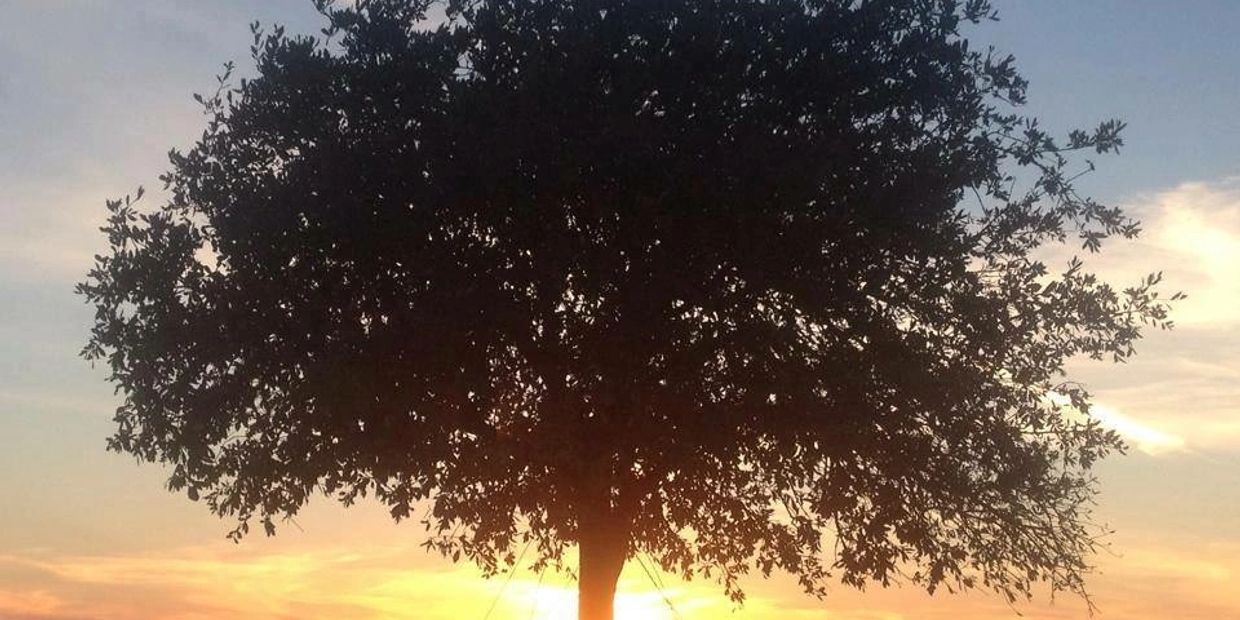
{"x":1198,"y":225}
{"x":1191,"y":232}
{"x":1183,"y":387}
{"x":1146,"y":438}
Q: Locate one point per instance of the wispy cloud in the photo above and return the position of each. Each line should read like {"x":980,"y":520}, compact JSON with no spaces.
{"x":1183,"y":387}
{"x":30,"y":604}
{"x":1145,"y":437}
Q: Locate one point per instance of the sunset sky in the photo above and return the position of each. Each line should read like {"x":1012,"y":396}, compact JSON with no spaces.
{"x":93,"y":93}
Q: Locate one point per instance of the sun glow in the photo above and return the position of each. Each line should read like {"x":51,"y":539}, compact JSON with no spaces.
{"x":559,"y":602}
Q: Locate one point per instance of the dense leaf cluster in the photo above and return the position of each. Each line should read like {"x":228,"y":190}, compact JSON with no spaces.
{"x":746,"y":282}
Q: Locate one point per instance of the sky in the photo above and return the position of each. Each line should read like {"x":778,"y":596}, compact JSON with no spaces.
{"x":93,"y":93}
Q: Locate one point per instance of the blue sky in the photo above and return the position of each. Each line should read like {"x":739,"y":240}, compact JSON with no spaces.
{"x":1166,"y":68}
{"x":94,"y":92}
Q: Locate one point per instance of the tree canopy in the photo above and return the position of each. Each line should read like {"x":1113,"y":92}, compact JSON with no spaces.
{"x":744,"y":286}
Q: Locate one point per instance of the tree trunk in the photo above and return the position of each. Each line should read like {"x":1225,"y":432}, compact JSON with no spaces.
{"x":602,"y":551}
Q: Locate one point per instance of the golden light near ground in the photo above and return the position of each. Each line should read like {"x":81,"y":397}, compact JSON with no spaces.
{"x":557,"y":602}
{"x":639,"y":596}
{"x":366,"y":579}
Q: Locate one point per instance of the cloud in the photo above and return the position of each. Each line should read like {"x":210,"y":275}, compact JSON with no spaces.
{"x":32,"y":604}
{"x":1183,"y":387}
{"x":1173,"y":387}
{"x":1146,"y":438}
{"x":1191,"y":233}
{"x":1198,"y":226}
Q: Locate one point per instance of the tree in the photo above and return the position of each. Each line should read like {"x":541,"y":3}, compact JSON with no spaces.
{"x":744,"y":286}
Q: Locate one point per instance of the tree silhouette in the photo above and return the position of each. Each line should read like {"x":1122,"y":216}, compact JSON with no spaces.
{"x":744,"y":286}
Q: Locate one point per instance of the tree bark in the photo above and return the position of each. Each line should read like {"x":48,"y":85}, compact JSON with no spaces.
{"x":602,"y":544}
{"x":602,"y":550}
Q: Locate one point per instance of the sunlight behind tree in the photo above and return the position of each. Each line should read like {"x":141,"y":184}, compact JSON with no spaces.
{"x":558,"y":602}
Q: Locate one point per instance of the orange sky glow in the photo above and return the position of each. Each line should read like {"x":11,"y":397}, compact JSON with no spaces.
{"x":379,"y":572}
{"x":365,"y":583}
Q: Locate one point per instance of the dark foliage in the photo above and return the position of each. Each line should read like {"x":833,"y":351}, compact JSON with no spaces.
{"x":741,"y":285}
